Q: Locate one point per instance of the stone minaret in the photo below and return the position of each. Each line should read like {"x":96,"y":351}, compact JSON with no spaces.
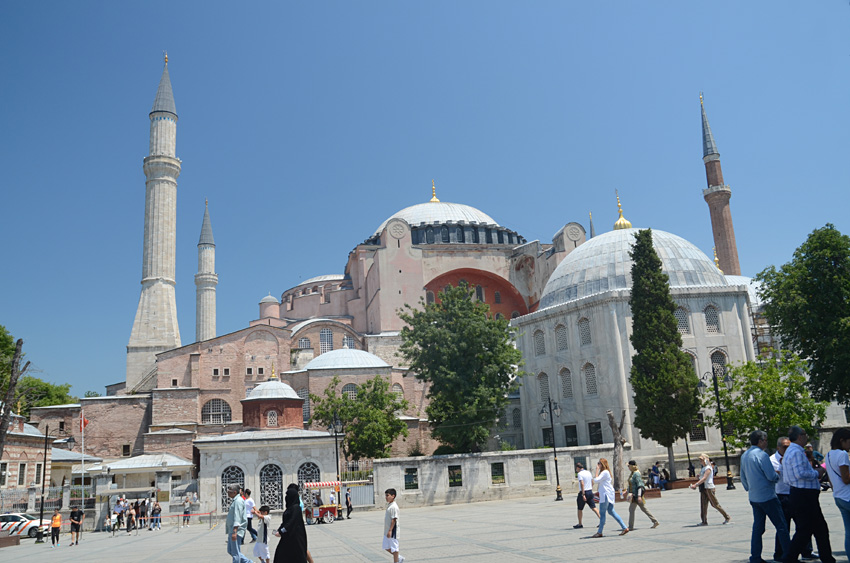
{"x":205,"y":281}
{"x":717,"y":196}
{"x":155,"y":327}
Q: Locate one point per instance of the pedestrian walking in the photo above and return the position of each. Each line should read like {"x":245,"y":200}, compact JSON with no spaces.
{"x":348,"y":506}
{"x":77,"y":516}
{"x":235,"y":524}
{"x":804,"y":481}
{"x":55,"y":528}
{"x":187,"y":510}
{"x":759,"y":480}
{"x":390,"y":540}
{"x":292,"y":547}
{"x":637,"y":498}
{"x":249,"y":512}
{"x":783,"y":492}
{"x":706,"y":492}
{"x":261,"y":550}
{"x":606,"y":498}
{"x":585,"y":493}
{"x":838,"y":468}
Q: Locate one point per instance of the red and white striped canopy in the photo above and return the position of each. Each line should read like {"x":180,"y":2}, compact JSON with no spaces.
{"x":321,"y":484}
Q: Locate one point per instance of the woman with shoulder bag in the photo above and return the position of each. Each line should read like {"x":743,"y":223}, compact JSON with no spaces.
{"x":838,"y":468}
{"x":606,"y":498}
{"x":637,"y":488}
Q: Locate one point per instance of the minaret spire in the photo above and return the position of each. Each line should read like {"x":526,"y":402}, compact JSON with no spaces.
{"x":717,"y":195}
{"x":205,"y":282}
{"x":155,"y":327}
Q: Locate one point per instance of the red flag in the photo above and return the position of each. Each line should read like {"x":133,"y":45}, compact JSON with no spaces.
{"x":83,"y":421}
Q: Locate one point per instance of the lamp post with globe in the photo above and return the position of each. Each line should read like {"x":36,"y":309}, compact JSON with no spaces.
{"x":702,"y":387}
{"x":336,"y":430}
{"x":553,"y":412}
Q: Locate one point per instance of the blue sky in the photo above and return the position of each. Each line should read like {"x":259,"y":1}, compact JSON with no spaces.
{"x":307,"y":124}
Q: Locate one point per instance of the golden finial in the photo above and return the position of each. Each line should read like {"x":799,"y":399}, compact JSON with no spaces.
{"x":166,"y":56}
{"x":717,"y":260}
{"x":700,"y":98}
{"x":273,"y":375}
{"x":434,"y":192}
{"x":207,"y":203}
{"x":621,"y":223}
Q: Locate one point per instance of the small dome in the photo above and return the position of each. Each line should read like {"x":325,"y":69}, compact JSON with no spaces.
{"x":439,"y":212}
{"x":346,"y":359}
{"x":272,"y":389}
{"x":603,"y":264}
{"x":270,"y":299}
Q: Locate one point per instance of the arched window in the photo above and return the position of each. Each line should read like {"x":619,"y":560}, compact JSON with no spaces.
{"x":429,"y":236}
{"x":429,"y":297}
{"x":398,"y":391}
{"x":230,"y":475}
{"x":539,"y":343}
{"x":682,"y":322}
{"x":693,"y":362}
{"x":543,"y":386}
{"x":215,"y":411}
{"x":515,"y":315}
{"x":350,"y":390}
{"x":500,"y":316}
{"x":479,"y":293}
{"x":444,"y":234}
{"x":475,"y":236}
{"x":561,"y":337}
{"x":305,"y":408}
{"x":712,"y":319}
{"x":497,"y":297}
{"x":584,"y":332}
{"x":566,"y":383}
{"x":460,"y":234}
{"x":326,"y":340}
{"x":315,"y":289}
{"x":718,"y":364}
{"x":590,"y":379}
{"x":308,"y":473}
{"x":271,"y":486}
{"x":349,"y":342}
{"x":517,"y":419}
{"x":304,"y":343}
{"x":271,"y":418}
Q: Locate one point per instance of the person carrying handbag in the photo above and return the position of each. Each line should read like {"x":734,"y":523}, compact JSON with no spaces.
{"x":637,"y":488}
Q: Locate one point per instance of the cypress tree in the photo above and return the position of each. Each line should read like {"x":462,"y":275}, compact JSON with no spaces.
{"x":662,"y":376}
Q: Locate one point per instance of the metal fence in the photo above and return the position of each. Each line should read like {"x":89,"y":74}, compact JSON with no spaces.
{"x":360,"y":470}
{"x":13,"y":500}
{"x":84,"y":495}
{"x":52,"y":499}
{"x":362,"y":493}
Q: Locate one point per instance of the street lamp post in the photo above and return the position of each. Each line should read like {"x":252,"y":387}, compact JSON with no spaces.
{"x":336,"y":428}
{"x":39,"y":534}
{"x":702,"y":387}
{"x":552,"y":414}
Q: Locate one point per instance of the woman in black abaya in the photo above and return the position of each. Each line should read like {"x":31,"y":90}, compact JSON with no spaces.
{"x":293,"y":536}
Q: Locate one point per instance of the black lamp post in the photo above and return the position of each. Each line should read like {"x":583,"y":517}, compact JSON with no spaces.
{"x":336,"y":429}
{"x":39,"y":534}
{"x":553,"y":412}
{"x":712,"y":375}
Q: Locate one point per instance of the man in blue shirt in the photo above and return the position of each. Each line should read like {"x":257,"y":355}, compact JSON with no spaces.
{"x":236,"y":524}
{"x":798,"y":473}
{"x":759,"y":478}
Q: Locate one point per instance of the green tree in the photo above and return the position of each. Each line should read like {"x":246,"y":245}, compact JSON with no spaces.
{"x":34,"y":392}
{"x":662,"y":376}
{"x":769,"y":395}
{"x":807,"y":302}
{"x":468,"y":360}
{"x":91,"y":394}
{"x":7,"y":351}
{"x":370,"y":421}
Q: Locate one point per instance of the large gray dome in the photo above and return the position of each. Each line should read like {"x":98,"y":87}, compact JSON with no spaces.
{"x":603,"y":264}
{"x":439,"y":212}
{"x":346,"y":358}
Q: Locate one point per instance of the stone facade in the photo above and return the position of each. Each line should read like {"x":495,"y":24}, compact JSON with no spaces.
{"x":23,"y":462}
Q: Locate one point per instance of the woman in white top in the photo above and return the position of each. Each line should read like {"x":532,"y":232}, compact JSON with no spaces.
{"x":606,"y":498}
{"x":838,"y":468}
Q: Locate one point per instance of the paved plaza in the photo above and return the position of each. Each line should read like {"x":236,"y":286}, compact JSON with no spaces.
{"x":531,"y":529}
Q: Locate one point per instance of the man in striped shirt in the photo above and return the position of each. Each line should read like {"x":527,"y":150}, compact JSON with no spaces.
{"x":798,"y":473}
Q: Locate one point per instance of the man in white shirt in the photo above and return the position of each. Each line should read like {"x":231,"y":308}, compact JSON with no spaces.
{"x":249,"y":512}
{"x":585,"y":493}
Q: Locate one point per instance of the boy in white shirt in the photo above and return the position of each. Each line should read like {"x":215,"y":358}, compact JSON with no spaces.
{"x":261,"y":549}
{"x":390,"y":543}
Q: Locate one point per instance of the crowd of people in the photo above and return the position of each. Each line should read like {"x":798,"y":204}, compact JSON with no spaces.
{"x":140,"y":514}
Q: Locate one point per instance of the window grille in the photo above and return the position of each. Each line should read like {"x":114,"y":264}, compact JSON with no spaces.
{"x":595,"y":431}
{"x":479,"y":293}
{"x":497,"y":297}
{"x":349,"y":342}
{"x":429,"y":297}
{"x":497,"y":473}
{"x":590,"y":379}
{"x":326,"y":340}
{"x":566,"y":383}
{"x":3,"y":468}
{"x":455,"y":476}
{"x":305,"y":408}
{"x":539,"y":469}
{"x":304,"y":343}
{"x":543,"y":385}
{"x":539,"y":343}
{"x":444,"y":234}
{"x":411,"y":479}
{"x":561,"y":337}
{"x":22,"y":474}
{"x":350,"y":390}
{"x":215,"y":411}
{"x":515,"y":315}
{"x":718,"y":363}
{"x":459,"y":234}
{"x":271,"y":418}
{"x":429,"y":236}
{"x":308,"y":473}
{"x":584,"y":332}
{"x":548,"y":437}
{"x":571,"y":434}
{"x":399,"y":392}
{"x":712,"y":320}
{"x":271,"y":486}
{"x":230,"y":475}
{"x":682,"y":322}
{"x":517,"y":419}
{"x":698,"y":428}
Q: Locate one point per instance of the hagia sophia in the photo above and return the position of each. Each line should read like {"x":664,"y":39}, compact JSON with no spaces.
{"x":567,"y":298}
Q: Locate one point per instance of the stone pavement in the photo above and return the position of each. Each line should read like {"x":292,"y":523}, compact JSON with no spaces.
{"x":531,"y":529}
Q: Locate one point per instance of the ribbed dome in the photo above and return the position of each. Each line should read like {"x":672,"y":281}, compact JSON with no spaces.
{"x":270,"y":299}
{"x":272,"y":389}
{"x":440,"y":212}
{"x":603,"y":264}
{"x":346,"y":359}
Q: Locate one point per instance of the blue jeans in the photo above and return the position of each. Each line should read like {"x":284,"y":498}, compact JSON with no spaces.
{"x":844,"y":508}
{"x":771,"y":509}
{"x":234,"y":550}
{"x":608,"y":508}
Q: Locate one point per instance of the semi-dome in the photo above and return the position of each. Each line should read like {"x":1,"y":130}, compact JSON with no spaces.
{"x":439,"y":212}
{"x":272,"y":389}
{"x":603,"y":264}
{"x":346,"y":358}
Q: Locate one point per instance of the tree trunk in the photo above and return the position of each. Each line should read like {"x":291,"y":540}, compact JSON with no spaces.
{"x":617,"y":462}
{"x":6,"y":407}
{"x":671,"y":464}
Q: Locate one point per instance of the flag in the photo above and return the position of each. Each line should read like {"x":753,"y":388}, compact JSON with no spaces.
{"x":83,"y":421}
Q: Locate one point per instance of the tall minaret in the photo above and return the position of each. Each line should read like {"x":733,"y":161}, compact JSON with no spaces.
{"x":717,"y":196}
{"x":205,"y":281}
{"x":155,"y":327}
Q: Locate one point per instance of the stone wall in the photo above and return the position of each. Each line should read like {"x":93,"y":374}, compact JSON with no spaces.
{"x":114,"y":422}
